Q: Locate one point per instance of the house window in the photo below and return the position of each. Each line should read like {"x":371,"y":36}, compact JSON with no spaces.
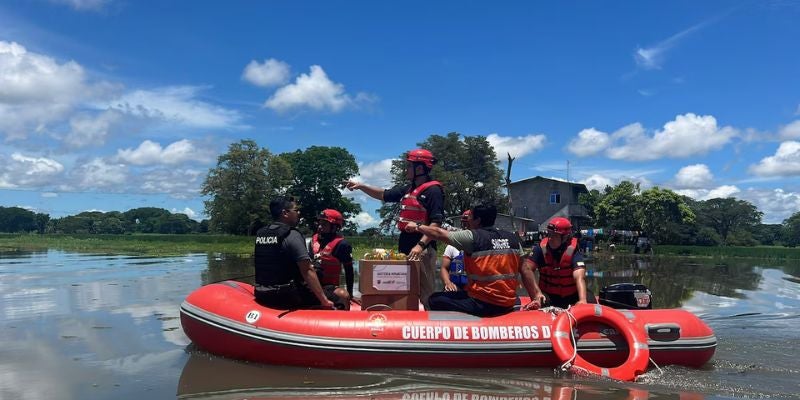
{"x":555,"y":197}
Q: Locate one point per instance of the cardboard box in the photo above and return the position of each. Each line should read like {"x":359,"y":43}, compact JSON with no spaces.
{"x":393,"y":283}
{"x":388,"y":277}
{"x":382,"y":302}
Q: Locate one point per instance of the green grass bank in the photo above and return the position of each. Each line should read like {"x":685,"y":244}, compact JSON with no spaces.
{"x":168,"y":245}
{"x":159,"y":245}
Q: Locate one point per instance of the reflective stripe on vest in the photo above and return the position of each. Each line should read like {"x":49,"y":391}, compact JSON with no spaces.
{"x":411,"y":210}
{"x":331,"y":267}
{"x":556,"y":277}
{"x":493,"y":267}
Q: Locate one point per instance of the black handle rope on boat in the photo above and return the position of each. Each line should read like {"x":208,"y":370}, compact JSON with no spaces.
{"x":235,"y":278}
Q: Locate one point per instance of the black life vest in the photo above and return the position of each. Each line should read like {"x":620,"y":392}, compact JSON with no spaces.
{"x":273,"y":265}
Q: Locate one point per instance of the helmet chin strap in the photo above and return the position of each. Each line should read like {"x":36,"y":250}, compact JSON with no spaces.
{"x":424,"y":169}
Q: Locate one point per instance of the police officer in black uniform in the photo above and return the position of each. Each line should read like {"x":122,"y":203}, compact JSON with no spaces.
{"x":285,"y":276}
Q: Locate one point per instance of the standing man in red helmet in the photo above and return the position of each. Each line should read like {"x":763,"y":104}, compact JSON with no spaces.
{"x":331,"y":253}
{"x":562,"y":273}
{"x":422,"y":202}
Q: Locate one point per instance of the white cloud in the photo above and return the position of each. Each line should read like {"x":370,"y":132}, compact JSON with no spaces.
{"x":35,"y":90}
{"x":653,"y":57}
{"x":687,"y":135}
{"x":597,"y":182}
{"x":98,"y":173}
{"x":84,"y":5}
{"x":315,"y":91}
{"x":694,"y":176}
{"x":589,"y":141}
{"x":720,"y":192}
{"x":271,"y":73}
{"x":23,"y":171}
{"x":90,"y":130}
{"x":785,"y":162}
{"x":518,"y":146}
{"x":150,"y":153}
{"x":49,"y":195}
{"x":791,"y":131}
{"x":776,"y":204}
{"x":178,"y":183}
{"x":177,"y":105}
{"x":376,"y":174}
{"x":365,"y":220}
{"x":189,"y":213}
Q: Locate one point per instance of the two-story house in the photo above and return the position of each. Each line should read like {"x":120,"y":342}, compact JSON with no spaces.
{"x":541,"y":199}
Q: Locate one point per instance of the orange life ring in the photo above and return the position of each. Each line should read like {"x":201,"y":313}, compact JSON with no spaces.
{"x":638,"y":352}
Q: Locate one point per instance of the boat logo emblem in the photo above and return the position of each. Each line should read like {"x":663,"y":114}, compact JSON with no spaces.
{"x":252,"y":316}
{"x":376,"y":323}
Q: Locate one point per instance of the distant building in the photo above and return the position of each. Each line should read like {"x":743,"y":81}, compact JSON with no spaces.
{"x":541,"y":199}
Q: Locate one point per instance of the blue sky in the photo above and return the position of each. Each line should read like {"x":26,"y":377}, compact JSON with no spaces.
{"x":111,"y":105}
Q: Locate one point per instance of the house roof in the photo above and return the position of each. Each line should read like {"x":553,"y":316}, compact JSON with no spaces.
{"x":540,"y":178}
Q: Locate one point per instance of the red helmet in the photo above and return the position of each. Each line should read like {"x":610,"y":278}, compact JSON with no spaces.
{"x":465,"y":215}
{"x":332,"y":216}
{"x":421,"y":155}
{"x":560,"y":225}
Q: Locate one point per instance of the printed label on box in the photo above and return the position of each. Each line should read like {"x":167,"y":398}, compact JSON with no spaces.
{"x":390,"y":277}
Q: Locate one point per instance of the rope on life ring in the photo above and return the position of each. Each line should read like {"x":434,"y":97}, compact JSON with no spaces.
{"x":564,"y":344}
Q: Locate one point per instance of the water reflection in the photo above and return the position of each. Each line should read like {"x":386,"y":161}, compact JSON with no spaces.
{"x":96,"y":326}
{"x":673,"y":281}
{"x":213,"y":378}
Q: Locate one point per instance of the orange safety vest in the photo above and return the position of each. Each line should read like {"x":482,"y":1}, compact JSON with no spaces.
{"x":493,"y":267}
{"x":330,"y":266}
{"x":556,"y":277}
{"x":411,"y":210}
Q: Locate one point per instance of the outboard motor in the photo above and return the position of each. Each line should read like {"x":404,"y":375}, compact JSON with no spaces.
{"x":627,"y":296}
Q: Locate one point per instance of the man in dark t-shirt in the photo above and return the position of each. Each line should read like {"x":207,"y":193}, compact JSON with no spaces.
{"x":285,"y":276}
{"x":562,"y":273}
{"x":422,"y":202}
{"x":331,"y":255}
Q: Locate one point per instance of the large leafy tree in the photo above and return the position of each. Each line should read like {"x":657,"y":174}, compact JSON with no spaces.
{"x":590,"y":201}
{"x":319,"y":176}
{"x":659,"y":212}
{"x":614,"y":210}
{"x":728,"y":216}
{"x":16,"y":219}
{"x":241,"y":186}
{"x":468,"y":169}
{"x":791,"y":230}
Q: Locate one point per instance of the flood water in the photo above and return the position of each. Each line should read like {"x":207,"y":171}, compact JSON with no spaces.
{"x":99,"y":326}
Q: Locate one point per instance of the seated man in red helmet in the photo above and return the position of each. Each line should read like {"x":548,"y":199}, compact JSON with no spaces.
{"x":331,"y":253}
{"x":421,"y":202}
{"x":562,"y":273}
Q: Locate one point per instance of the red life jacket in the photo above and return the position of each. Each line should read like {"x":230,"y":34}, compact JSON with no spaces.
{"x":411,"y":210}
{"x":493,"y":266}
{"x":330,"y":266}
{"x":555,"y":277}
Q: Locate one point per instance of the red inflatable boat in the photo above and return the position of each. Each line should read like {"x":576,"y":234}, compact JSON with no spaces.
{"x":223,"y":318}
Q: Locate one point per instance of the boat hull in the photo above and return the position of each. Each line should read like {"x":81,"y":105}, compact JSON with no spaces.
{"x":223,"y":319}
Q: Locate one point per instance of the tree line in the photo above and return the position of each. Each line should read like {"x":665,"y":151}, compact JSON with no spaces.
{"x":137,"y":220}
{"x":670,"y":218}
{"x":238,"y":190}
